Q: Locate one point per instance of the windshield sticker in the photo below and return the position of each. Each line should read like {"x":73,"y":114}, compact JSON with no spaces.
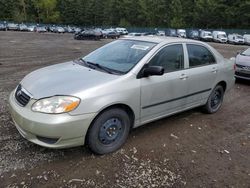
{"x":139,"y":47}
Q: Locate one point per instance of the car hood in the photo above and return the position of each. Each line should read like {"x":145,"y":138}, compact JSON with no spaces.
{"x":243,"y":60}
{"x":63,"y":79}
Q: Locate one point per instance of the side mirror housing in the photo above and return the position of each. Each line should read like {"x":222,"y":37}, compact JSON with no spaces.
{"x":153,"y":71}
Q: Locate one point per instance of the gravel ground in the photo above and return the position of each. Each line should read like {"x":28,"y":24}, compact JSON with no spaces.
{"x":190,"y":149}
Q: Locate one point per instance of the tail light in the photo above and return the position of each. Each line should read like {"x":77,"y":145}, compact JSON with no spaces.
{"x":235,"y":66}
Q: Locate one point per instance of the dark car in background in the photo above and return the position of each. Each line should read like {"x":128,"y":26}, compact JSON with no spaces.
{"x":171,"y":33}
{"x":2,"y":27}
{"x":112,"y":35}
{"x":193,"y":34}
{"x":88,"y":35}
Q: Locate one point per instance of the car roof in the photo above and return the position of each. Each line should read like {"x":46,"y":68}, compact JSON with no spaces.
{"x":161,"y":39}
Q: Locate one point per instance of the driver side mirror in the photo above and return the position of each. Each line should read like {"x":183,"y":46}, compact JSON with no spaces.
{"x":153,"y":71}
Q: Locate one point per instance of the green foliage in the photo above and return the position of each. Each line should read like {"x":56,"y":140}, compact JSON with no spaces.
{"x":140,"y":13}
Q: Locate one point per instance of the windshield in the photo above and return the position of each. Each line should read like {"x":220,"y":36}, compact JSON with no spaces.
{"x":239,"y":37}
{"x":121,"y":55}
{"x":208,"y":34}
{"x":222,"y":36}
{"x":246,"y":52}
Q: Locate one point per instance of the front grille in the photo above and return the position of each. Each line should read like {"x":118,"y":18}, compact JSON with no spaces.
{"x":21,"y":97}
{"x":243,"y":67}
{"x":242,"y":74}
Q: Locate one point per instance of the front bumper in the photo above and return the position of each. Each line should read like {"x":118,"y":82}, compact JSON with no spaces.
{"x":52,"y":131}
{"x":242,"y":75}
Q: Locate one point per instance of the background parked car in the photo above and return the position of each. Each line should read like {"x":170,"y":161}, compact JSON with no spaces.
{"x":220,"y":36}
{"x":22,"y":27}
{"x":59,"y":30}
{"x":134,"y":34}
{"x":206,"y":35}
{"x":110,"y":34}
{"x":12,"y":27}
{"x":181,"y":33}
{"x":41,"y":29}
{"x":171,"y":32}
{"x":161,"y":33}
{"x":193,"y":34}
{"x":246,"y":39}
{"x":121,"y":31}
{"x":88,"y":35}
{"x":31,"y":28}
{"x":2,"y":27}
{"x":243,"y":65}
{"x":235,"y":39}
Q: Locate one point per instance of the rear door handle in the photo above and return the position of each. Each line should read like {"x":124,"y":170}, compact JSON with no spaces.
{"x":214,"y":70}
{"x":184,"y":77}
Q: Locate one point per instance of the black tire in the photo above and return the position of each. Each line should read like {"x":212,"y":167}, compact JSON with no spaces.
{"x":109,"y":131}
{"x":215,"y":100}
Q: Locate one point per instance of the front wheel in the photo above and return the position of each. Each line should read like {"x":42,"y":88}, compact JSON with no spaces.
{"x":215,"y":100}
{"x":109,"y":131}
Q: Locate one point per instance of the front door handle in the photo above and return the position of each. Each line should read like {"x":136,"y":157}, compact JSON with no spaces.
{"x":184,"y":77}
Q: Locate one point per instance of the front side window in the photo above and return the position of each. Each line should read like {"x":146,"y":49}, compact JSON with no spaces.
{"x":121,"y":55}
{"x":199,"y":56}
{"x":171,"y":58}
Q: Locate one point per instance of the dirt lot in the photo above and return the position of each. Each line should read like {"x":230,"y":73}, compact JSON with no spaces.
{"x":191,"y":149}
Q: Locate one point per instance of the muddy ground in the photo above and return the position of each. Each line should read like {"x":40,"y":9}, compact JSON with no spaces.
{"x":190,"y":149}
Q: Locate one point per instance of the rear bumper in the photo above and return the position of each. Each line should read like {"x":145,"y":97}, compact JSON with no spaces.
{"x":52,"y":131}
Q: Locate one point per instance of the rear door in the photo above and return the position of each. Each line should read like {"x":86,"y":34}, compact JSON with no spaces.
{"x":202,"y":71}
{"x":161,"y":95}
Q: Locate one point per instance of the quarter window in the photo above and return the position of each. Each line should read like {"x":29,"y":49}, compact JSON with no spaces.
{"x":171,"y":58}
{"x":199,"y":56}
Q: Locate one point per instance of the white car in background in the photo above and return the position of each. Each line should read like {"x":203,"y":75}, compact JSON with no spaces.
{"x":121,"y":31}
{"x":206,"y":36}
{"x":161,"y":33}
{"x":243,"y":65}
{"x":31,"y":28}
{"x":181,"y":33}
{"x":220,"y":36}
{"x":235,"y":39}
{"x":246,"y":39}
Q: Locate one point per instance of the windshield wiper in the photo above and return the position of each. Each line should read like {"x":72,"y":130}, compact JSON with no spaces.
{"x":100,"y":67}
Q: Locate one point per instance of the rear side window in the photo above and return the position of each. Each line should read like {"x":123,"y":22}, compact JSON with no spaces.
{"x":199,"y":56}
{"x":170,"y":57}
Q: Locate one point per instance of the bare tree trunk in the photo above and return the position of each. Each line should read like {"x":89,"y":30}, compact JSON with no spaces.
{"x":23,"y":4}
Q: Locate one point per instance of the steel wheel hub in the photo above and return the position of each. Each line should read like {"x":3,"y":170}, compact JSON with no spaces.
{"x":216,"y":99}
{"x":110,"y":131}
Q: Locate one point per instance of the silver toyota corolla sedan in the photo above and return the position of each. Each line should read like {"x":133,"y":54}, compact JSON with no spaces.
{"x":243,"y":65}
{"x":97,"y":99}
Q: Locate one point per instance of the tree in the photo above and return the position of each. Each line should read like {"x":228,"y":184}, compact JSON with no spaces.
{"x":176,"y":14}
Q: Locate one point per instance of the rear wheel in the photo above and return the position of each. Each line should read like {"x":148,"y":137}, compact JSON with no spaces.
{"x":215,"y":100}
{"x":109,"y":131}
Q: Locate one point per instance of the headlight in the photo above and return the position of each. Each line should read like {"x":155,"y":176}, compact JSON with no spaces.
{"x":56,"y":104}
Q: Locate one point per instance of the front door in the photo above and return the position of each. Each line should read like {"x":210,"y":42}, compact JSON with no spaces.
{"x":162,"y":95}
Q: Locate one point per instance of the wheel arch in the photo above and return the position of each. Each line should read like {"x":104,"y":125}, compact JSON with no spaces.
{"x":223,"y":84}
{"x":125,"y":107}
